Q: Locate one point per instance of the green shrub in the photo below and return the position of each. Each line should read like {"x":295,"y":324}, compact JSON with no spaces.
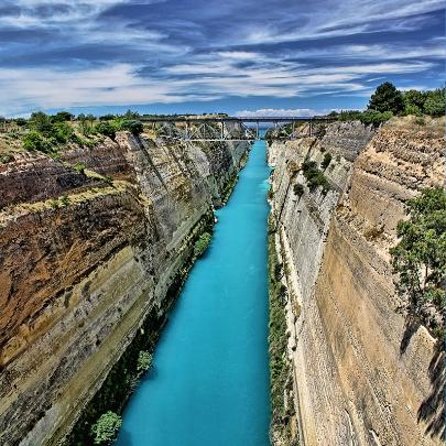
{"x":327,"y":160}
{"x":21,"y":122}
{"x":62,"y":132}
{"x":298,"y":189}
{"x":366,"y":117}
{"x":349,"y":115}
{"x":419,"y":258}
{"x":6,"y":158}
{"x":202,"y":244}
{"x":314,"y":176}
{"x":412,"y":109}
{"x":131,"y":125}
{"x":35,"y":141}
{"x":420,"y":121}
{"x":108,"y":117}
{"x":107,"y":129}
{"x":375,"y":117}
{"x":79,"y":167}
{"x":65,"y":200}
{"x":145,"y":360}
{"x":104,"y":431}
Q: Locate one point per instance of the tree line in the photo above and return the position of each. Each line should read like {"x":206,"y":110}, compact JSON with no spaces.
{"x":388,"y":101}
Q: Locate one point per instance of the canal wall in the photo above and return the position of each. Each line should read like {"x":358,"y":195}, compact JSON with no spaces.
{"x":93,"y":248}
{"x":361,"y":374}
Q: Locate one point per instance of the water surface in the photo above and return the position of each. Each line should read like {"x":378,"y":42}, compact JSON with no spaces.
{"x":209,"y":385}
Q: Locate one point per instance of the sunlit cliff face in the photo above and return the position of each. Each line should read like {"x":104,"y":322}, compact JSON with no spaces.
{"x":348,"y":339}
{"x":122,"y":233}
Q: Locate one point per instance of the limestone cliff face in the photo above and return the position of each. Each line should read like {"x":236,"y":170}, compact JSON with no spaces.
{"x":85,"y":255}
{"x":363,"y":375}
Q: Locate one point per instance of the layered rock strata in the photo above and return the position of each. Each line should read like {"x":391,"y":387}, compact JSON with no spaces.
{"x":90,"y":244}
{"x":363,"y":373}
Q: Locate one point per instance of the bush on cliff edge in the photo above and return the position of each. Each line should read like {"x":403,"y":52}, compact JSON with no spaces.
{"x":202,"y":244}
{"x":106,"y":428}
{"x":419,"y":258}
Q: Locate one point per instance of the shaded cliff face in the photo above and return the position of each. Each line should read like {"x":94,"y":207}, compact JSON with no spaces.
{"x":362,"y":373}
{"x":85,"y":255}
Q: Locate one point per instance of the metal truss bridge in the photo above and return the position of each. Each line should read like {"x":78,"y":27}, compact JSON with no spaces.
{"x":206,"y":128}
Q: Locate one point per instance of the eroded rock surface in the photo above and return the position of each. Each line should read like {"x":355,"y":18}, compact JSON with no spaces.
{"x":89,"y":245}
{"x":363,"y":373}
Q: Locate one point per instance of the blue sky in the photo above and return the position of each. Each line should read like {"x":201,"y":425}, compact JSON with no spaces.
{"x":237,"y":56}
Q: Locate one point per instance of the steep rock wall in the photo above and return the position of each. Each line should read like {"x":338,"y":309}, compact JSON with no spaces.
{"x":362,"y":374}
{"x":85,"y":256}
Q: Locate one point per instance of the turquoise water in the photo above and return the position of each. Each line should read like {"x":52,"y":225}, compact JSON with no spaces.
{"x":209,"y":385}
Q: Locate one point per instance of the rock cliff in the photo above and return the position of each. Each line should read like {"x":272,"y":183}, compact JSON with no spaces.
{"x":362,"y":373}
{"x":91,"y":244}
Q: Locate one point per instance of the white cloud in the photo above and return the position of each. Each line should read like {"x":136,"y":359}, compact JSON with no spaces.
{"x":32,"y":88}
{"x":180,"y":74}
{"x":342,"y":19}
{"x":214,"y":76}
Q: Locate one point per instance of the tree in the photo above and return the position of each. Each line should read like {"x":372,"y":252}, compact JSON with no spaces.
{"x":435,"y":104}
{"x":131,"y":115}
{"x":387,"y":98}
{"x":414,"y":102}
{"x":314,"y":176}
{"x":420,"y":256}
{"x":62,"y":116}
{"x":41,"y":122}
{"x":106,"y":428}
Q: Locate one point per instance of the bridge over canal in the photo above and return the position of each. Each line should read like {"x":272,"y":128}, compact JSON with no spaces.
{"x":207,"y":128}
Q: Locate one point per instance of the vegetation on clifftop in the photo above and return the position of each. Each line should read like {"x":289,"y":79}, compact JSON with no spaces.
{"x":388,"y":101}
{"x":51,"y":134}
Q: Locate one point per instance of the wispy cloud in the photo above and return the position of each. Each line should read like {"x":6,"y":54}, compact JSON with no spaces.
{"x":107,"y":52}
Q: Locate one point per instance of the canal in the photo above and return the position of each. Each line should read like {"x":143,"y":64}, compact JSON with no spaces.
{"x":209,"y":385}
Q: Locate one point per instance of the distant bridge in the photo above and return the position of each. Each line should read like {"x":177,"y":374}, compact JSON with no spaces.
{"x":220,"y":128}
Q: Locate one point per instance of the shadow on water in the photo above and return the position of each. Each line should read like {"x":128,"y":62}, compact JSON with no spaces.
{"x":126,"y":438}
{"x":432,"y":411}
